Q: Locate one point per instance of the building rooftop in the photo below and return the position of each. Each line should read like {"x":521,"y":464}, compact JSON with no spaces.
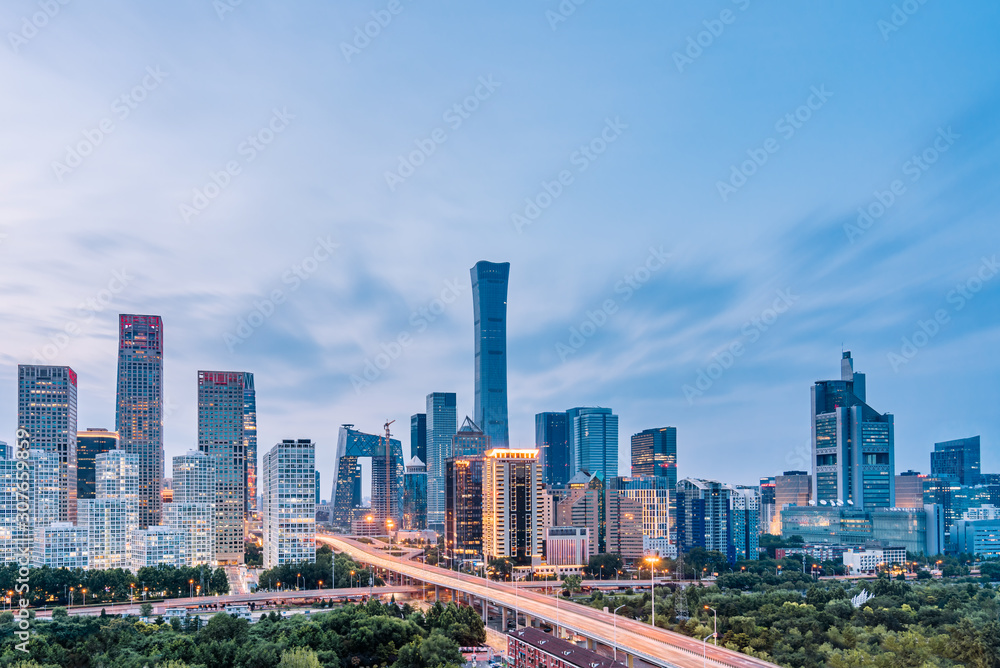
{"x":565,"y":650}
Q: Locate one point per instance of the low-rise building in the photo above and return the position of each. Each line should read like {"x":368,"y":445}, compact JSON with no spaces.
{"x":567,"y":546}
{"x":659,"y":547}
{"x":870,"y":559}
{"x":532,"y":648}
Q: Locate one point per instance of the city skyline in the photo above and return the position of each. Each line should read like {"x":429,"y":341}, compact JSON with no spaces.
{"x":639,"y":278}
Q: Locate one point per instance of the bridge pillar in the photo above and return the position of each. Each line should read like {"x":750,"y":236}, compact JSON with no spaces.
{"x":503,"y":620}
{"x":628,"y":660}
{"x":437,"y":595}
{"x":591,"y":644}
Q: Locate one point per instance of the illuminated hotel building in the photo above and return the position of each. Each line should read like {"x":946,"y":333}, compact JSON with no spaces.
{"x":512,"y":505}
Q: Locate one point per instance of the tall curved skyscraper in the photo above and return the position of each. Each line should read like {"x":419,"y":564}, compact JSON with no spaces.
{"x":489,"y":303}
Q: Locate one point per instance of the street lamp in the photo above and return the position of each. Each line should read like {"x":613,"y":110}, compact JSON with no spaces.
{"x":190,"y":588}
{"x":297,"y":576}
{"x":704,"y":649}
{"x":715,"y":631}
{"x":615,"y":614}
{"x":352,"y":579}
{"x":84,"y":597}
{"x":652,"y":588}
{"x":71,"y":597}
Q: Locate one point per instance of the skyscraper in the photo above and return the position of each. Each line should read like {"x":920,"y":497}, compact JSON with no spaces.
{"x":469,"y":440}
{"x":489,"y":304}
{"x":250,"y":444}
{"x":654,"y":452}
{"x":221,"y":435}
{"x":418,"y":436}
{"x":288,"y":479}
{"x":193,"y":509}
{"x":441,"y":426}
{"x":552,"y":442}
{"x":415,"y":495}
{"x":958,"y":458}
{"x":346,"y":496}
{"x":594,"y":441}
{"x":656,"y":496}
{"x":852,"y":444}
{"x":139,"y":413}
{"x":463,"y":532}
{"x":46,"y":409}
{"x":89,"y":444}
{"x":512,"y":505}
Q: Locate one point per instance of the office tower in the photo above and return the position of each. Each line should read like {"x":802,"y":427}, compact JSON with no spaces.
{"x":463,"y":527}
{"x":852,"y":444}
{"x":139,"y":413}
{"x":594,"y":441}
{"x":768,"y":511}
{"x":702,"y":515}
{"x":469,"y":441}
{"x":655,"y":496}
{"x":288,"y":479}
{"x":442,"y":421}
{"x":512,"y":502}
{"x":107,"y":527}
{"x":60,"y":545}
{"x":46,"y":409}
{"x":89,"y":444}
{"x":193,"y":509}
{"x":910,"y":490}
{"x":489,"y":305}
{"x":581,"y":504}
{"x":5,"y":453}
{"x":624,"y":528}
{"x":158,"y":546}
{"x":744,"y":523}
{"x":415,"y":495}
{"x":250,"y":445}
{"x":792,"y":488}
{"x":45,"y":489}
{"x":958,"y":458}
{"x":418,"y":436}
{"x":388,"y":468}
{"x":654,"y":452}
{"x":552,"y":442}
{"x":221,"y":435}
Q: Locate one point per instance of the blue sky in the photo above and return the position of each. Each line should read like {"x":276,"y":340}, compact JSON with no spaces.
{"x":248,"y":160}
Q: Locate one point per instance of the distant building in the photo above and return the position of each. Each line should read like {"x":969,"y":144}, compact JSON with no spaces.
{"x":193,"y":508}
{"x":624,"y":527}
{"x":552,"y":442}
{"x":910,"y":490}
{"x":655,"y":495}
{"x":871,"y":559}
{"x":489,"y":306}
{"x":89,"y":444}
{"x":463,"y":528}
{"x":469,"y":441}
{"x":288,"y":479}
{"x":659,"y":547}
{"x":958,"y":459}
{"x":441,"y":427}
{"x":45,"y":491}
{"x":768,"y":509}
{"x":567,"y":546}
{"x":418,"y":436}
{"x":13,"y":535}
{"x":387,"y":469}
{"x":792,"y":488}
{"x":533,"y":648}
{"x":582,"y":504}
{"x":5,"y":452}
{"x":108,"y":531}
{"x":654,"y":453}
{"x":61,"y":545}
{"x":317,"y":488}
{"x":46,"y":409}
{"x":158,"y":546}
{"x":744,"y":524}
{"x":853,"y":445}
{"x":920,"y":531}
{"x":593,"y":441}
{"x":415,"y":496}
{"x":978,"y":533}
{"x":702,"y":515}
{"x":512,"y":501}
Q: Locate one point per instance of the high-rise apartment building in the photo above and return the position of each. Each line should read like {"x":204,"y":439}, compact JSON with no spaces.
{"x":117,"y":478}
{"x":581,"y":503}
{"x":744,"y":524}
{"x":250,"y":446}
{"x":89,"y":444}
{"x":958,"y":458}
{"x":139,"y":411}
{"x":463,"y":527}
{"x":221,"y":435}
{"x":512,"y":504}
{"x":415,"y":495}
{"x":852,"y":444}
{"x":442,"y":425}
{"x":552,"y":442}
{"x":45,"y":488}
{"x":702,"y":515}
{"x":489,"y":304}
{"x":107,"y":526}
{"x":46,"y":409}
{"x":158,"y":546}
{"x":418,"y":436}
{"x":61,"y":545}
{"x":624,"y":527}
{"x":13,"y":535}
{"x":192,"y":510}
{"x":593,"y":441}
{"x":288,"y":479}
{"x":655,"y":496}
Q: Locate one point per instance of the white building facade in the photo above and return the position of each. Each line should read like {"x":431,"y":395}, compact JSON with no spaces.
{"x":288,"y":482}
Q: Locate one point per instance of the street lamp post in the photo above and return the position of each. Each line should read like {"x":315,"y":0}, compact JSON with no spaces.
{"x":715,"y":629}
{"x":615,"y":614}
{"x":71,"y":597}
{"x":704,"y":649}
{"x":190,"y":588}
{"x":652,"y":589}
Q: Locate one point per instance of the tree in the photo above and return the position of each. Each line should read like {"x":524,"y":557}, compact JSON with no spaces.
{"x":572,"y":584}
{"x":300,"y":657}
{"x":146,"y":609}
{"x":220,"y":582}
{"x":59,"y":613}
{"x":499,"y":567}
{"x":603,"y":566}
{"x":253,"y":554}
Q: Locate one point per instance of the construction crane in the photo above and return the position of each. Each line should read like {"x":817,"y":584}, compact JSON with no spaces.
{"x":388,"y":479}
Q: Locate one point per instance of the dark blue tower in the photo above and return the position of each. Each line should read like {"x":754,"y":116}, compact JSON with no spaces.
{"x":489,"y":303}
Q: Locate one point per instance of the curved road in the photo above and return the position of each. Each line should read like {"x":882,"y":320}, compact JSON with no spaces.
{"x":655,"y":646}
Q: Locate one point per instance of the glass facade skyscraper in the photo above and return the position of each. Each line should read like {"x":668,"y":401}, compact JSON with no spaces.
{"x":139,"y":413}
{"x":89,"y":444}
{"x":415,"y":495}
{"x":853,"y":445}
{"x":250,"y":445}
{"x":958,"y":458}
{"x":221,"y":435}
{"x":654,"y":452}
{"x":46,"y":409}
{"x":418,"y":436}
{"x":489,"y":303}
{"x":442,"y":421}
{"x":387,"y":468}
{"x":552,"y":442}
{"x":593,"y":441}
